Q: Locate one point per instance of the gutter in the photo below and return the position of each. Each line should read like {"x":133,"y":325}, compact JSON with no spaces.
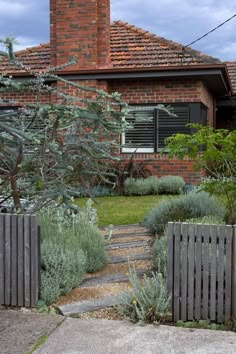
{"x":149,"y":72}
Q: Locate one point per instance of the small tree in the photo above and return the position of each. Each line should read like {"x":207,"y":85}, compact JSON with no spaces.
{"x":45,"y":147}
{"x":214,"y":151}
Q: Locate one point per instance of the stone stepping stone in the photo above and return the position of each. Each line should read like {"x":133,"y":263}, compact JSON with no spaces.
{"x":131,"y":234}
{"x":89,"y":305}
{"x":131,"y":244}
{"x":117,"y":227}
{"x":111,"y":278}
{"x":129,"y":258}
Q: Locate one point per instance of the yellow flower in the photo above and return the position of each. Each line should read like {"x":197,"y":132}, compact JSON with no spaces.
{"x":134,"y":302}
{"x":127,"y":274}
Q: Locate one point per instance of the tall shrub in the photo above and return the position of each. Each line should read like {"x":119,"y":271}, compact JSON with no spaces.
{"x":192,"y":205}
{"x":71,"y":245}
{"x":62,"y":269}
{"x":47,"y":150}
{"x":89,"y":239}
{"x":214,"y":151}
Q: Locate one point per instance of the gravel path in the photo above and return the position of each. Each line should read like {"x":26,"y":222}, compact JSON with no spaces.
{"x":135,"y":242}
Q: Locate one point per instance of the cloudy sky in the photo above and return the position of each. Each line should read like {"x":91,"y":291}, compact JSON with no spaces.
{"x":182,"y":21}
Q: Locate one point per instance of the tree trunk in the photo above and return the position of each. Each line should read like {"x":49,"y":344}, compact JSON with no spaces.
{"x":15,"y":193}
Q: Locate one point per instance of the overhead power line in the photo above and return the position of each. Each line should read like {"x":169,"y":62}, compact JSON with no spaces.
{"x":214,"y":29}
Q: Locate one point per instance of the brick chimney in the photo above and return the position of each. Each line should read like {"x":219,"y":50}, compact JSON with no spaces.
{"x":81,"y":29}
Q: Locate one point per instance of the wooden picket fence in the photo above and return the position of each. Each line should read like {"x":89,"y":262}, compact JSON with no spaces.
{"x":19,"y":260}
{"x":202,"y":271}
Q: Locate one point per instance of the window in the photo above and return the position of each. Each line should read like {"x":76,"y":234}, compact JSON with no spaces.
{"x":151,"y":126}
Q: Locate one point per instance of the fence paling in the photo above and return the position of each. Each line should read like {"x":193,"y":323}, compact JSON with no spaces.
{"x":2,"y":283}
{"x":191,"y":256}
{"x":7,"y":259}
{"x":205,"y":255}
{"x":14,"y":260}
{"x":202,"y":271}
{"x":177,"y":274}
{"x":228,"y":273}
{"x":19,"y":260}
{"x":198,"y":266}
{"x":213,"y":273}
{"x":233,"y":278}
{"x":220,"y":272}
{"x":170,"y":262}
{"x":184,"y":271}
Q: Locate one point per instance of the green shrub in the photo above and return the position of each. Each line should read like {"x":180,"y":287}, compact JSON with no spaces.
{"x":71,"y":245}
{"x":147,"y":301}
{"x":62,"y":269}
{"x":192,"y":205}
{"x":171,"y":185}
{"x":103,"y":191}
{"x":153,"y":183}
{"x":160,"y":255}
{"x":137,"y":186}
{"x":130,"y":187}
{"x":141,"y":186}
{"x":91,"y":242}
{"x":209,"y":219}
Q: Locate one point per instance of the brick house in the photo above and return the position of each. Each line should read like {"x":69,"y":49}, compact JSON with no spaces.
{"x":143,"y":67}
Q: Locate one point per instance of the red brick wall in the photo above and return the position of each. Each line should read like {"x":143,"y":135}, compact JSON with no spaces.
{"x":80,"y":29}
{"x":144,"y":91}
{"x":163,"y":91}
{"x":161,"y":166}
{"x":208,"y":100}
{"x":25,"y":98}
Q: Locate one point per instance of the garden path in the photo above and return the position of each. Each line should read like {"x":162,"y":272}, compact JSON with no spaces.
{"x":128,"y":246}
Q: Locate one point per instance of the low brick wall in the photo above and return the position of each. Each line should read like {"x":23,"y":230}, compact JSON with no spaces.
{"x":160,"y":165}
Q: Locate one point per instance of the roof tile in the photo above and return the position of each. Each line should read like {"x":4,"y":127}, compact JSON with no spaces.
{"x":131,"y":47}
{"x":231,"y":66}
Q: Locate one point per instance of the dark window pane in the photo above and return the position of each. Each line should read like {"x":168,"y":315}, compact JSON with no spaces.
{"x":142,"y":133}
{"x":169,"y":125}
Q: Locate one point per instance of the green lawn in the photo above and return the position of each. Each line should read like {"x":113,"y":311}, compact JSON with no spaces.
{"x":123,"y":210}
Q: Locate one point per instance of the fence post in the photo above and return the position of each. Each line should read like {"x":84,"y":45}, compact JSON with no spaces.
{"x":234,"y":274}
{"x":170,"y":264}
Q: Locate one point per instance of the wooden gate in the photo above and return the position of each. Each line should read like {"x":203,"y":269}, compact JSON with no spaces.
{"x":19,"y":260}
{"x":202,"y":271}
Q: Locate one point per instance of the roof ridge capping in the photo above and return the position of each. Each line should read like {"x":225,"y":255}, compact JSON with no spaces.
{"x":32,"y":49}
{"x":194,"y":53}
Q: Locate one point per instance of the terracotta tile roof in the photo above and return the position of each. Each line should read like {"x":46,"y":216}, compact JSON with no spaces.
{"x":131,"y":47}
{"x":37,"y":58}
{"x":231,"y":66}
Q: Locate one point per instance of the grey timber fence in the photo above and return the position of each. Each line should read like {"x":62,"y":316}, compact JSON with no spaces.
{"x":19,"y":260}
{"x":201,"y":271}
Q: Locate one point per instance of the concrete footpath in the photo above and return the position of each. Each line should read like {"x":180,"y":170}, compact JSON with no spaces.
{"x":20,"y":331}
{"x":108,"y":337}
